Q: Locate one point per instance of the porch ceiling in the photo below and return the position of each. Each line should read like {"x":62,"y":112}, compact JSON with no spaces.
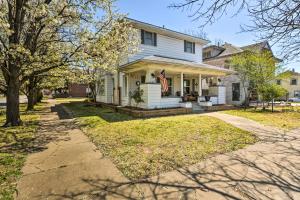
{"x":174,"y":65}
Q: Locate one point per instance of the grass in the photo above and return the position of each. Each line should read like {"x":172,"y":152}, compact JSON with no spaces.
{"x":284,"y":118}
{"x":68,"y":100}
{"x":14,"y":145}
{"x":142,"y":148}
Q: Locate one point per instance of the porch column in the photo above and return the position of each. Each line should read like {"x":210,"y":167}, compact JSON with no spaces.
{"x":200,"y":86}
{"x":181,"y":84}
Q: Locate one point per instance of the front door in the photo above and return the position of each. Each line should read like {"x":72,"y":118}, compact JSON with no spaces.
{"x":235,"y":91}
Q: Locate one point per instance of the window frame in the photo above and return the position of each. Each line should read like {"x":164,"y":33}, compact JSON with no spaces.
{"x":185,"y":86}
{"x":278,"y":82}
{"x":153,"y":38}
{"x":192,"y":47}
{"x":294,"y":79}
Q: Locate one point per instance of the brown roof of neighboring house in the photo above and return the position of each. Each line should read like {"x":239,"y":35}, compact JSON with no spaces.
{"x":230,"y":49}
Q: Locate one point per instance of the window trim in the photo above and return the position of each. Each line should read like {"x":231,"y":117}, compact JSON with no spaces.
{"x":193,"y":47}
{"x":153,"y":38}
{"x":278,"y":82}
{"x":296,"y":81}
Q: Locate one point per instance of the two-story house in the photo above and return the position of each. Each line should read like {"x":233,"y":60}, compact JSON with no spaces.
{"x":179,"y":55}
{"x":291,"y":83}
{"x":220,"y":56}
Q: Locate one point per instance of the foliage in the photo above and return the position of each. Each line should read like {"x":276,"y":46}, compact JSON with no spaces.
{"x":137,"y":96}
{"x":145,"y":147}
{"x":271,"y":20}
{"x":256,"y":70}
{"x":39,"y":36}
{"x":270,"y":92}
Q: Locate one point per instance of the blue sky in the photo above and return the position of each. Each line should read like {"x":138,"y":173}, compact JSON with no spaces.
{"x":227,"y":28}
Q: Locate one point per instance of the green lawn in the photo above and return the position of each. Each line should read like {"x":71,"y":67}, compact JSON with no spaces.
{"x":15,"y":144}
{"x":145,"y":147}
{"x":285,"y":118}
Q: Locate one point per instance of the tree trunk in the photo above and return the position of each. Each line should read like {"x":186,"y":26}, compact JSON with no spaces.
{"x":31,"y":94}
{"x":12,"y":103}
{"x":92,"y":87}
{"x":272,"y":105}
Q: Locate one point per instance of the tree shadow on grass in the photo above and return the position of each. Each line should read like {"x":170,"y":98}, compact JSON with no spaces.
{"x":262,"y":171}
{"x":30,"y":140}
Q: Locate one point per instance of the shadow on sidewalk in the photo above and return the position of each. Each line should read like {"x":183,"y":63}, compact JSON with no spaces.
{"x":270,"y":172}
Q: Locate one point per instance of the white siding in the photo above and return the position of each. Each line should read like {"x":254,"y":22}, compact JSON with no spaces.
{"x":152,"y":98}
{"x":169,"y":47}
{"x":108,"y":90}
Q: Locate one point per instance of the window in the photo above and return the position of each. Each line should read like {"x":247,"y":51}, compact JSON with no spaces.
{"x":189,"y":47}
{"x":101,"y":90}
{"x":293,"y":81}
{"x":297,"y":93}
{"x":143,"y":79}
{"x":207,"y":54}
{"x":278,"y":82}
{"x":148,"y":38}
{"x":235,"y":91}
{"x":186,"y":86}
{"x":125,"y":84}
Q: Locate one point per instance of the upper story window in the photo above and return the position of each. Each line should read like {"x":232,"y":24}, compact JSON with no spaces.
{"x":189,"y":47}
{"x":148,"y":38}
{"x":278,"y":82}
{"x":293,"y":81}
{"x":207,"y":54}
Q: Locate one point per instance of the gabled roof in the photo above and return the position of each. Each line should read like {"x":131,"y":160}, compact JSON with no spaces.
{"x":165,"y":31}
{"x":230,"y":49}
{"x":257,"y":46}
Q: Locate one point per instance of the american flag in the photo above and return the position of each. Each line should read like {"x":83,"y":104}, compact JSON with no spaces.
{"x":163,"y":81}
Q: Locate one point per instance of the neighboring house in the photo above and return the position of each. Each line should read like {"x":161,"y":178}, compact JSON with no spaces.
{"x":78,"y":90}
{"x":291,"y":84}
{"x":180,"y":55}
{"x":220,"y":56}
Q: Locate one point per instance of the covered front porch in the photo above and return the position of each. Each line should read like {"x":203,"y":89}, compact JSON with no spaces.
{"x":189,"y":84}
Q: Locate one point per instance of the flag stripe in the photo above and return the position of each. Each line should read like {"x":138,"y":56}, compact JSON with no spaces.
{"x":163,"y":81}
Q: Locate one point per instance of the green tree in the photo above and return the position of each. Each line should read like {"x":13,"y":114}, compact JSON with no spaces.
{"x":270,"y":92}
{"x":256,"y":70}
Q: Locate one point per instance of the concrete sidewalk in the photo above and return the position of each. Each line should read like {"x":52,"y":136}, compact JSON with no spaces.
{"x":62,"y":169}
{"x":71,"y":167}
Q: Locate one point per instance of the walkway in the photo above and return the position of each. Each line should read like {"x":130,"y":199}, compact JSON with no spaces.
{"x":73,"y":168}
{"x":61,"y":170}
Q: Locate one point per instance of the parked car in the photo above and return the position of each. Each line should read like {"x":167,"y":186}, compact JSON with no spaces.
{"x":295,"y":99}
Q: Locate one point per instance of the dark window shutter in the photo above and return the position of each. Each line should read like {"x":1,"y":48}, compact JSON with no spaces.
{"x":142,"y":37}
{"x":193,"y":47}
{"x":155,"y":39}
{"x":184,"y":46}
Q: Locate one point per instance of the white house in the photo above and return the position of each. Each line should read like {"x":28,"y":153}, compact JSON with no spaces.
{"x":180,"y":55}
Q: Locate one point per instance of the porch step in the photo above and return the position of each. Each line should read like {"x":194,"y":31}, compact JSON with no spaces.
{"x":196,"y":108}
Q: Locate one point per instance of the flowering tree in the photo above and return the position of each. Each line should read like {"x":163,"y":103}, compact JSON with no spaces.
{"x":41,"y":35}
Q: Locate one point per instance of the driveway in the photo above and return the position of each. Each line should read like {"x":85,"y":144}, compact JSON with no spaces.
{"x":73,"y":168}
